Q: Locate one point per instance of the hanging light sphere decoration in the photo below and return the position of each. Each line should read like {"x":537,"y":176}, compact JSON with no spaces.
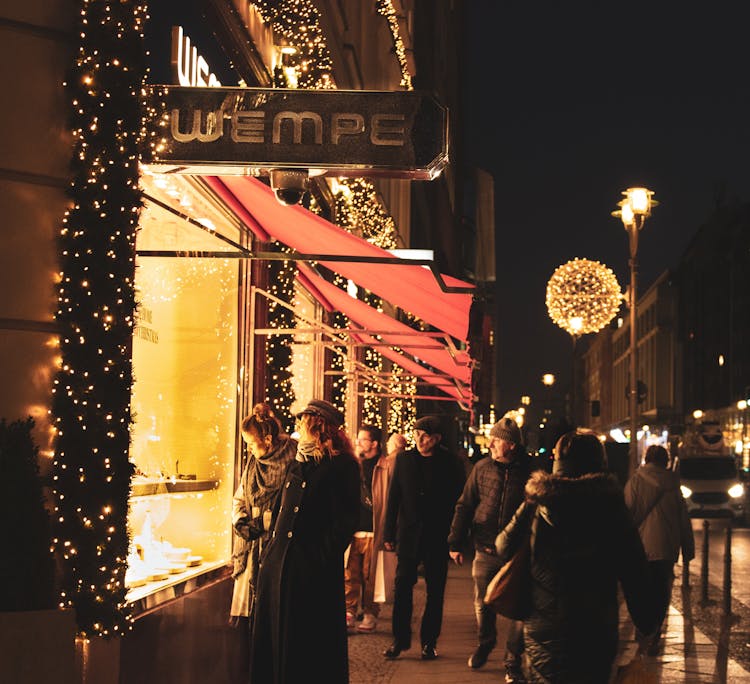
{"x":583,"y":296}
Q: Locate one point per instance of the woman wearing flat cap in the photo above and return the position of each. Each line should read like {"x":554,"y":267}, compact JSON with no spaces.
{"x":299,"y":629}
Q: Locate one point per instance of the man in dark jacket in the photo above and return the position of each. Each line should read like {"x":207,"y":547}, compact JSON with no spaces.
{"x":493,"y":492}
{"x":424,"y":487}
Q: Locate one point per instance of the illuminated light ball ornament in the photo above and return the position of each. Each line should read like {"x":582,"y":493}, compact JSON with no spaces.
{"x":583,"y":296}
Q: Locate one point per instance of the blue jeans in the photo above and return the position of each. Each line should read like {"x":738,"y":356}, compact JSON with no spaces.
{"x":483,"y":569}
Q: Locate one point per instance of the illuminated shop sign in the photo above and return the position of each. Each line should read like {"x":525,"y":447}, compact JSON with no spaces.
{"x":334,"y":132}
{"x":189,"y":67}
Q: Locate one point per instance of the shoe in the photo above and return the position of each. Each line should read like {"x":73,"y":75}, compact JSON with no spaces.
{"x":429,"y":652}
{"x":351,"y":621}
{"x":368,"y":624}
{"x":479,"y":657}
{"x":514,"y":673}
{"x":394,"y":650}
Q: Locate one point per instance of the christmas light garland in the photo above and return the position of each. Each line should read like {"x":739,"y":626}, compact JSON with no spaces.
{"x":279,"y":388}
{"x":95,"y":314}
{"x":583,"y":296}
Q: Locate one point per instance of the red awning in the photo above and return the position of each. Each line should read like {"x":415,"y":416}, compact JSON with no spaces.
{"x":424,"y":347}
{"x":410,"y":287}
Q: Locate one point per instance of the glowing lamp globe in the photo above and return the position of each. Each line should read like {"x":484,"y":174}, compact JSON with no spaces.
{"x":583,"y":296}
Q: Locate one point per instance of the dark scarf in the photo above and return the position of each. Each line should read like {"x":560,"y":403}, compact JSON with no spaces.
{"x":265,"y":475}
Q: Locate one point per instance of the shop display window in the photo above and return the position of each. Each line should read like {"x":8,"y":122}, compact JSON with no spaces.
{"x":184,"y":403}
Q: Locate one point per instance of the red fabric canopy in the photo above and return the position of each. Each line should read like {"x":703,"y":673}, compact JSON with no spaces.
{"x":423,"y":347}
{"x":410,"y":287}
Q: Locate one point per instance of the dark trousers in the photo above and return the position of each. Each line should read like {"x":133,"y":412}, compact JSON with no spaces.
{"x":435,"y":560}
{"x":662,"y":576}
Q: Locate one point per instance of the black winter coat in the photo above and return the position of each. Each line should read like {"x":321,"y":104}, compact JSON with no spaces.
{"x":414,"y":515}
{"x":493,"y":492}
{"x":299,"y":630}
{"x":585,"y":542}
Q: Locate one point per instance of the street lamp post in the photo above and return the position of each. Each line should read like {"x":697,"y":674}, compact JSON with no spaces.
{"x":634,"y":209}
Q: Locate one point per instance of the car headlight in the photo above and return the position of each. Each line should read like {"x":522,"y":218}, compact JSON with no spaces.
{"x":686,"y":492}
{"x":736,"y":491}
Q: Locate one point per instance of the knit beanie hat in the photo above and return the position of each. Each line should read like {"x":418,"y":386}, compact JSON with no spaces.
{"x":507,"y":429}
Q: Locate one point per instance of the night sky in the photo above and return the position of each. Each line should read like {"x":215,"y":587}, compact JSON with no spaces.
{"x":588,"y":99}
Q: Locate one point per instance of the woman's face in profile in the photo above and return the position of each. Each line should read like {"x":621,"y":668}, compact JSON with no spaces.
{"x":256,"y":446}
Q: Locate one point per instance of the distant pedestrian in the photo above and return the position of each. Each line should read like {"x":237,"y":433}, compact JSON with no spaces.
{"x":299,"y":625}
{"x":583,"y":542}
{"x":426,"y":482}
{"x":363,"y":572}
{"x":659,"y":511}
{"x":493,"y":492}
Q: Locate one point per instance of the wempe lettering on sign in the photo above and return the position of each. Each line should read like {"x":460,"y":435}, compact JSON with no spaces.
{"x":399,"y":134}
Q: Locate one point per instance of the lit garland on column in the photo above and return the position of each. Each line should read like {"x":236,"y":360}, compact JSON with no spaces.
{"x":338,"y":361}
{"x":385,"y":7}
{"x":372,"y":406}
{"x":279,"y":389}
{"x":298,"y":24}
{"x":96,"y":305}
{"x":403,"y":411}
{"x":582,"y":296}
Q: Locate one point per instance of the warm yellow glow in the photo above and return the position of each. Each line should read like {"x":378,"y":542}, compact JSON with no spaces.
{"x":697,"y":414}
{"x":742,"y":404}
{"x":626,"y":214}
{"x":582,"y":296}
{"x":639,"y":200}
{"x":548,"y":379}
{"x":721,"y":359}
{"x":525,"y":400}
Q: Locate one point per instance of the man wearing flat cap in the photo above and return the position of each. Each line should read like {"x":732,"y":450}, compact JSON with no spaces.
{"x":424,"y":487}
{"x":493,"y":492}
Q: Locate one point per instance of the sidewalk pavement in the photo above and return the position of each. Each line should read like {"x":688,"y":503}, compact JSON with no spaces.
{"x":689,"y":655}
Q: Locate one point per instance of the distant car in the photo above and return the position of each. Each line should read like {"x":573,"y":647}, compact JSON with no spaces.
{"x":712,"y":486}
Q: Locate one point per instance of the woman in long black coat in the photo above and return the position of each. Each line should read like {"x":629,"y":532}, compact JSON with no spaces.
{"x":299,"y":627}
{"x":583,"y":543}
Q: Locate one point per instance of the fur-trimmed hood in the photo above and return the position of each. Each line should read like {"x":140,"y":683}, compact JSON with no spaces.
{"x":573,"y":498}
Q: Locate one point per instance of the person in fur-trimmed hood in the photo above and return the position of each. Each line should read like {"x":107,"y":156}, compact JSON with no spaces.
{"x":583,"y":543}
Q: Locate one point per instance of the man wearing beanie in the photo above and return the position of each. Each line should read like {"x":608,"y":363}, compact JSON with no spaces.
{"x":424,"y":487}
{"x":493,"y":492}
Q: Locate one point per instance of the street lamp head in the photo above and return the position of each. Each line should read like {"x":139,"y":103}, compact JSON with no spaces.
{"x":548,"y":379}
{"x":635,"y":207}
{"x":641,"y":200}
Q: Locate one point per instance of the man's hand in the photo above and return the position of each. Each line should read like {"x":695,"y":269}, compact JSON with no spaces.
{"x":388,"y":546}
{"x":457,"y":557}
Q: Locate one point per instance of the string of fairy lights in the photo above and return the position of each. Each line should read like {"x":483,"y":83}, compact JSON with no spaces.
{"x":385,"y":7}
{"x":95,"y":316}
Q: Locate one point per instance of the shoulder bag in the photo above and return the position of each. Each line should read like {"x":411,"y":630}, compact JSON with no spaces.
{"x":509,"y":591}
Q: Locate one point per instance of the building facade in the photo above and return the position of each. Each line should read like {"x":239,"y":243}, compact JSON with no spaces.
{"x":212,"y":328}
